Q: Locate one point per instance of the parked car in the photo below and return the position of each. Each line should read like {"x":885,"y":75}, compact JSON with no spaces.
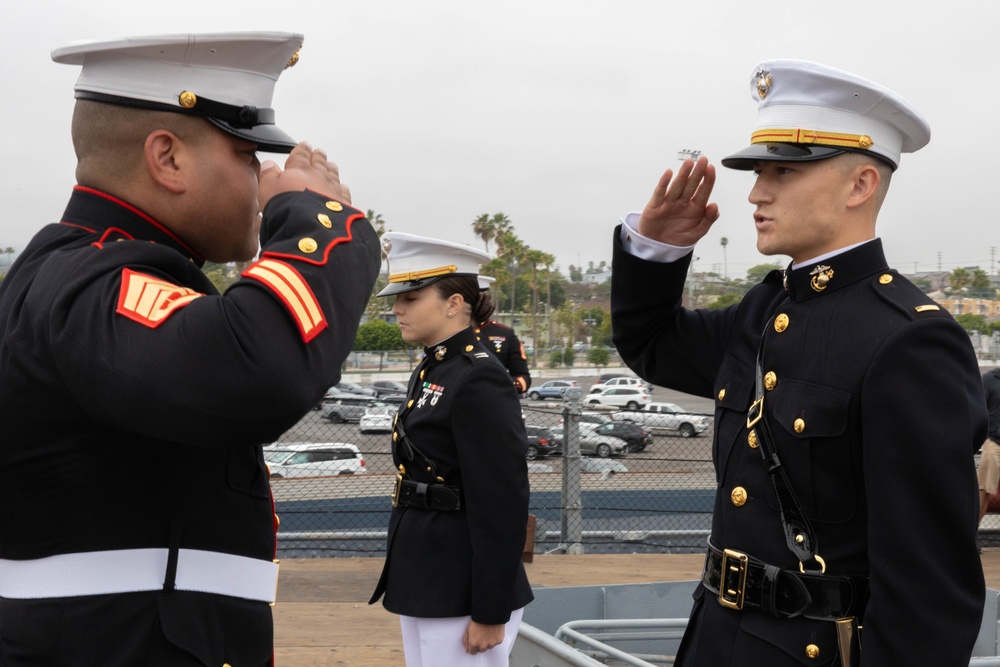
{"x":393,"y":399}
{"x":621,"y":381}
{"x":593,"y":444}
{"x":604,"y":377}
{"x":313,"y":459}
{"x":551,"y":389}
{"x":667,"y":417}
{"x":383,"y":387}
{"x":635,"y":436}
{"x":378,"y":417}
{"x":541,"y":442}
{"x":621,"y":397}
{"x":344,"y":387}
{"x":345,"y":407}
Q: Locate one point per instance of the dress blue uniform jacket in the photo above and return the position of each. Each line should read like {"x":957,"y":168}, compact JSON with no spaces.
{"x":465,"y":417}
{"x":138,"y":422}
{"x":876,"y":409}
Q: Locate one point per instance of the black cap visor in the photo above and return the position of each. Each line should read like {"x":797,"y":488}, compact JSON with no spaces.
{"x":409,"y":286}
{"x":748,"y":157}
{"x":269,"y":138}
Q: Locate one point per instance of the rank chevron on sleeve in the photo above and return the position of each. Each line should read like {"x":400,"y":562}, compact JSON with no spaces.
{"x":293,"y":291}
{"x":149,"y":300}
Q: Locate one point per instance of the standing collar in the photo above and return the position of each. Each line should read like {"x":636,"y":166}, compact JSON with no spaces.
{"x":112,"y":219}
{"x":461,"y":343}
{"x":833,"y":272}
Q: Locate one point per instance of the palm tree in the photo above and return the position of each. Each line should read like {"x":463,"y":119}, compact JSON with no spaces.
{"x":534,"y":259}
{"x":484,"y":229}
{"x":511,"y":250}
{"x":377,"y":222}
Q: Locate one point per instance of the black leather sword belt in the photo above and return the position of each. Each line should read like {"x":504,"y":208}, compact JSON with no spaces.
{"x":408,"y":493}
{"x":742,"y":581}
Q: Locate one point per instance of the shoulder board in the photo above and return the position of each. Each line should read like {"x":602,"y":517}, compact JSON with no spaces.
{"x":899,"y":292}
{"x":500,"y":326}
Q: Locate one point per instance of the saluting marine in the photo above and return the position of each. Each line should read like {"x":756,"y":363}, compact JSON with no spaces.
{"x":848,"y":404}
{"x":138,"y":526}
{"x":453,"y":569}
{"x":504,"y":343}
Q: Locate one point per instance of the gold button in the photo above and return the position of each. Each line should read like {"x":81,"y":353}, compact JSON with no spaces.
{"x":770,"y":380}
{"x":722,"y":394}
{"x":468,"y":348}
{"x":187,"y":99}
{"x":752,"y":439}
{"x":395,"y":436}
{"x":800,"y":538}
{"x":421,"y":375}
{"x":324,"y":220}
{"x":864,"y":141}
{"x":781,"y":322}
{"x":334,"y":205}
{"x":277,"y":520}
{"x":738,"y":496}
{"x":409,"y":403}
{"x":885,"y":278}
{"x":812,"y":651}
{"x":308,"y":245}
{"x":799,"y":425}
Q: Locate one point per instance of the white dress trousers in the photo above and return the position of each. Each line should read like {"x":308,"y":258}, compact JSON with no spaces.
{"x":437,"y":642}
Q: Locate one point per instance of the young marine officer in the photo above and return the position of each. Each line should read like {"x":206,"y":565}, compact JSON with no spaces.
{"x":848,"y":403}
{"x":453,"y":569}
{"x":138,"y":526}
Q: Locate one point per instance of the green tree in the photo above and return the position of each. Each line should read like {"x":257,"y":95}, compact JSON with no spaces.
{"x":600,"y":335}
{"x":598,"y":356}
{"x":377,"y":222}
{"x":755,"y":274}
{"x":980,"y":286}
{"x":972,"y":322}
{"x":724,"y":300}
{"x":959,"y":278}
{"x":485,"y":229}
{"x":378,"y":336}
{"x":575,"y":274}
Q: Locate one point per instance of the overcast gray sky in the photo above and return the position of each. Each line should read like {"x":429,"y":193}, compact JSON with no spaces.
{"x":561,"y":114}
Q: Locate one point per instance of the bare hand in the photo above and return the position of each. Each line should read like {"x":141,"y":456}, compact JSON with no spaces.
{"x":479,"y":637}
{"x":305,"y":169}
{"x":678,"y":213}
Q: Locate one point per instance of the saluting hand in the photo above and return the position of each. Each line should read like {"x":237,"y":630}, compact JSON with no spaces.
{"x":306,"y":168}
{"x":678,"y":213}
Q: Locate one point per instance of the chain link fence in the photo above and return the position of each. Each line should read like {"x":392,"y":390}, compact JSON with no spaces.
{"x":591,"y":490}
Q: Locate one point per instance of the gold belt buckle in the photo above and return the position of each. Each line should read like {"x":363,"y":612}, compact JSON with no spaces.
{"x":396,"y":487}
{"x":734,"y":566}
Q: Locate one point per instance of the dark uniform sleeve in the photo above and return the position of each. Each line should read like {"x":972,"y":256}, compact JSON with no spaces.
{"x":490,"y":439}
{"x":922,"y":407}
{"x":658,"y":339}
{"x":517,"y":363}
{"x":241,"y":367}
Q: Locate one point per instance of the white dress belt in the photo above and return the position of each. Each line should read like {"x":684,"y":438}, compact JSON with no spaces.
{"x":134,"y":570}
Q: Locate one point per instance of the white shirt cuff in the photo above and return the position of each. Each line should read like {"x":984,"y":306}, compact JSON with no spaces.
{"x":639,"y":246}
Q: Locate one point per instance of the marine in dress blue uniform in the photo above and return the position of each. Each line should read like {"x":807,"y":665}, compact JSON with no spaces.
{"x":457,"y":529}
{"x":504,"y":343}
{"x":138,"y":524}
{"x":872,"y":397}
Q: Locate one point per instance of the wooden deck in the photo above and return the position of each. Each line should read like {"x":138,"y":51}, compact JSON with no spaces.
{"x":323,"y":619}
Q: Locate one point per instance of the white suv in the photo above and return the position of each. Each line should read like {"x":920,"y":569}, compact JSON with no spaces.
{"x":313,"y":459}
{"x":632,"y":398}
{"x":621,"y":382}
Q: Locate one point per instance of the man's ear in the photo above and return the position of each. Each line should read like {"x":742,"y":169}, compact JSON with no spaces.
{"x":865,"y":185}
{"x":160,"y":156}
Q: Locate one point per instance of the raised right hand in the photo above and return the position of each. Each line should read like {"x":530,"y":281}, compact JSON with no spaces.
{"x":678,"y":213}
{"x":306,"y":168}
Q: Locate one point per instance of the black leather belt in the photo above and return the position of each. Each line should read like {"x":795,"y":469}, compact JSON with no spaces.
{"x":742,"y":581}
{"x":408,"y":493}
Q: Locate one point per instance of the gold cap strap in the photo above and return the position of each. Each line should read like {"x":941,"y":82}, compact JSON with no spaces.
{"x":410,"y":276}
{"x":800,"y":136}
